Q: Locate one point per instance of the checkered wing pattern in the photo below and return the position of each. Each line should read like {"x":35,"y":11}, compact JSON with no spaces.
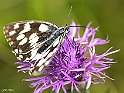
{"x":34,"y":41}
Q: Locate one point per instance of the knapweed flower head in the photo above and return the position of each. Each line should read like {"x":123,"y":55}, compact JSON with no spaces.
{"x":75,"y":63}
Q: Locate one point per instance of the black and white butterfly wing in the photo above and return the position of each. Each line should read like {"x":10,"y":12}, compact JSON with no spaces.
{"x":34,"y":41}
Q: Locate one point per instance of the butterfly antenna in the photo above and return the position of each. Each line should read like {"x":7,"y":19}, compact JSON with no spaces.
{"x":68,"y":19}
{"x":69,"y":15}
{"x":78,"y":26}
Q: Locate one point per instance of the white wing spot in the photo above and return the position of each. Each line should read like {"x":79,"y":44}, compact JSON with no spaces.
{"x":47,"y":63}
{"x":8,"y":39}
{"x":35,"y":73}
{"x":21,"y":36}
{"x":32,"y":36}
{"x":11,"y":43}
{"x":33,"y":39}
{"x":26,"y":27}
{"x":16,"y":26}
{"x":16,"y":51}
{"x":50,"y":55}
{"x":27,"y":59}
{"x":41,"y":62}
{"x":56,"y":42}
{"x":20,"y":50}
{"x":34,"y":54}
{"x":45,"y":53}
{"x":12,"y":33}
{"x":54,"y":51}
{"x":23,"y":41}
{"x":43,"y":28}
{"x":41,"y":68}
{"x":6,"y":31}
{"x":20,"y":56}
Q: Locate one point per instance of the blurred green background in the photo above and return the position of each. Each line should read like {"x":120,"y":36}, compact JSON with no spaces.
{"x":107,"y":14}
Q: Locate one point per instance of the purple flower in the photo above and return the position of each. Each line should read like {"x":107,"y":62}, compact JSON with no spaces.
{"x":75,"y":63}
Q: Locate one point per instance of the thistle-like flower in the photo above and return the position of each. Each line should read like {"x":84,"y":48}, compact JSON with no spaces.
{"x":75,"y":63}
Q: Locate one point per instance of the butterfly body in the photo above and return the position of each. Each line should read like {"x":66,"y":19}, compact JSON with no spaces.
{"x":35,"y":41}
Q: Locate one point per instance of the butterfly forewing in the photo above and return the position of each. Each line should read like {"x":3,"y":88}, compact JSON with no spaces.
{"x":34,"y":41}
{"x":24,"y":36}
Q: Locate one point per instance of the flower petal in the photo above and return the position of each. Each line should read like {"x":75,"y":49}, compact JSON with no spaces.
{"x":72,"y":30}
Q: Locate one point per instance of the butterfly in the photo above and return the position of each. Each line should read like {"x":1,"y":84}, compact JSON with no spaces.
{"x":35,"y":41}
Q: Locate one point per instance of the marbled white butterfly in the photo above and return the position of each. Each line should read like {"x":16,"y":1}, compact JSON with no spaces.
{"x":35,"y":41}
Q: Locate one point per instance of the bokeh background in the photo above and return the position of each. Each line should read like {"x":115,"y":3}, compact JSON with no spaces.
{"x":107,"y":14}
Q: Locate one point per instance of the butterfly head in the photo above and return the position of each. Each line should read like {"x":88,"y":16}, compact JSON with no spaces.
{"x":64,"y":30}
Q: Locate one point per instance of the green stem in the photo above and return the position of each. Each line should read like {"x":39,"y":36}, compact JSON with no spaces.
{"x":88,"y":91}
